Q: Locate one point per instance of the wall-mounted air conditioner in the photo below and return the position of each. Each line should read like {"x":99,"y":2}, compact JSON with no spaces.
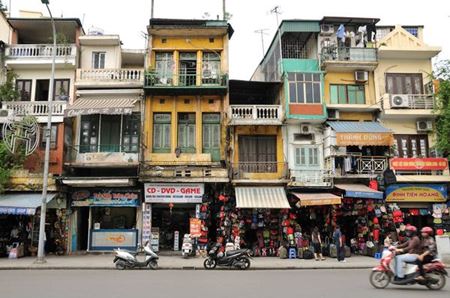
{"x":361,"y":76}
{"x":399,"y":101}
{"x":424,"y":125}
{"x":326,"y":29}
{"x":305,"y":129}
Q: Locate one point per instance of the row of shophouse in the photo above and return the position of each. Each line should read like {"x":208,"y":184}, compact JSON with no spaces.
{"x":144,"y":141}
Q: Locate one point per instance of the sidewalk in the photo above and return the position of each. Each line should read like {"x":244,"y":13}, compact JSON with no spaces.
{"x":177,"y":263}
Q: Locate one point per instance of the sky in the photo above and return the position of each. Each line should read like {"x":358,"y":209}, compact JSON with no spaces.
{"x":130,"y":18}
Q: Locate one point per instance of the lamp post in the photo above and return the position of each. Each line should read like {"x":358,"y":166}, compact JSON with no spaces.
{"x":41,"y":253}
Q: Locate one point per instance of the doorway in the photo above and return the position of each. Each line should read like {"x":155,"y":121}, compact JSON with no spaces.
{"x":83,"y":228}
{"x":188,"y":69}
{"x":42,"y":89}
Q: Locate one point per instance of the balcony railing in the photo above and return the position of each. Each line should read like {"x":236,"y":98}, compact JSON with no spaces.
{"x":189,"y":78}
{"x":413,"y":101}
{"x":252,"y":114}
{"x":349,"y":54}
{"x":247,"y":170}
{"x":34,"y":108}
{"x":359,"y":165}
{"x":310,"y":177}
{"x":40,"y":51}
{"x":111,"y":75}
{"x":107,"y":154}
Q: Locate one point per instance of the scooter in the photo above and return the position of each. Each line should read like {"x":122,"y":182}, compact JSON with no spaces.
{"x":383,"y":274}
{"x":239,"y":259}
{"x":187,"y":248}
{"x":125,"y":259}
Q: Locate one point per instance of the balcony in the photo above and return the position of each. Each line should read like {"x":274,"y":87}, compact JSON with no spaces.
{"x":189,"y":82}
{"x":256,"y":115}
{"x":259,"y":172}
{"x":38,"y":109}
{"x":310,"y":178}
{"x":409,"y":105}
{"x":40,"y":55}
{"x":102,"y":156}
{"x":98,"y":78}
{"x":356,"y":166}
{"x":349,"y":59}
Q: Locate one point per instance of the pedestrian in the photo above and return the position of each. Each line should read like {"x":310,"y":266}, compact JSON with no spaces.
{"x":317,"y":244}
{"x":338,"y":241}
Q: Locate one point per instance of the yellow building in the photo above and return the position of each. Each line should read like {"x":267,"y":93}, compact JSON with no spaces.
{"x":185,"y":137}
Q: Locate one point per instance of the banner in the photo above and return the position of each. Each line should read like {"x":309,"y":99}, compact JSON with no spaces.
{"x":173,"y":192}
{"x":415,"y":164}
{"x":112,"y":239}
{"x":106,"y":198}
{"x":364,"y":139}
{"x":416,"y":193}
{"x":195,"y":227}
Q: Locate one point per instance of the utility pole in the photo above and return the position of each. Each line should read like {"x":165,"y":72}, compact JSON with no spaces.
{"x":276,"y":11}
{"x":152,"y":9}
{"x":262,"y":32}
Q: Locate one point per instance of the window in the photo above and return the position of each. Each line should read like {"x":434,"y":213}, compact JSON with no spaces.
{"x":42,"y":90}
{"x":307,"y":156}
{"x":304,"y":88}
{"x":412,"y":30}
{"x":186,"y":132}
{"x":164,"y":67}
{"x":347,"y":94}
{"x":404,"y":83}
{"x":258,"y":154}
{"x":61,"y":91}
{"x":411,"y":146}
{"x":98,"y":60}
{"x":24,"y":89}
{"x":211,"y":135}
{"x":110,"y":133}
{"x":161,"y":132}
{"x":211,"y":68}
{"x":53,"y":136}
{"x":188,"y":69}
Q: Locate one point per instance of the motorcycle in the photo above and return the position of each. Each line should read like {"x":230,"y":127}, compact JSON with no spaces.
{"x":383,"y":274}
{"x":187,"y":248}
{"x":239,"y":259}
{"x":125,"y":259}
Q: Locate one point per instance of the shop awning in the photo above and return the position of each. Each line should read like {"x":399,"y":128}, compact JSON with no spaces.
{"x":261,"y":197}
{"x":361,"y":133}
{"x":317,"y":199}
{"x":360,"y":191}
{"x":22,"y":204}
{"x":101,"y":105}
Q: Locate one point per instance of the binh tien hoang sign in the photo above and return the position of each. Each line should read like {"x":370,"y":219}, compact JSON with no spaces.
{"x":173,"y":192}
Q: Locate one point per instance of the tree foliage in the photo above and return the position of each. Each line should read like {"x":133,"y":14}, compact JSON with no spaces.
{"x":8,"y":91}
{"x":442,"y":74}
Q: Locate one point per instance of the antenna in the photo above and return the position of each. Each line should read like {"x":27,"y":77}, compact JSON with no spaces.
{"x":276,"y":11}
{"x":262,"y":32}
{"x":224,"y":10}
{"x":152,"y":9}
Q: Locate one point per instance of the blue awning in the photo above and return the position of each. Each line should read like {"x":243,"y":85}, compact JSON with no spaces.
{"x":360,"y":191}
{"x":357,"y":126}
{"x":22,"y":203}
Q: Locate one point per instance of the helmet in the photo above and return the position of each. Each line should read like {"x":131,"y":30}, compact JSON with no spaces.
{"x":411,"y":229}
{"x":427,"y":230}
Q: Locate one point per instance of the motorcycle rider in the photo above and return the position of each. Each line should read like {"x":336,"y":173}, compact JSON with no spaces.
{"x":429,"y":250}
{"x":409,"y":250}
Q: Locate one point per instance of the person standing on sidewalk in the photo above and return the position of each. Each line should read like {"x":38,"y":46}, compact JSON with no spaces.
{"x":317,"y":244}
{"x":338,"y":241}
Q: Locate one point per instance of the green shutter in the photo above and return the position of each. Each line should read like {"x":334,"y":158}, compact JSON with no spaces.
{"x":211,"y":135}
{"x":161,"y":132}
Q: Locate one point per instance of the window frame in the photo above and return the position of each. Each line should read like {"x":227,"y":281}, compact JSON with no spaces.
{"x":346,"y":92}
{"x":98,"y":55}
{"x":185,"y":125}
{"x":311,"y":153}
{"x":53,"y":137}
{"x":417,"y":138}
{"x":163,"y":124}
{"x":20,"y":91}
{"x":401,"y":78}
{"x":307,"y":84}
{"x":56,"y":94}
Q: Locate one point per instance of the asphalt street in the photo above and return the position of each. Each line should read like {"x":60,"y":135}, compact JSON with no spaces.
{"x":188,"y":283}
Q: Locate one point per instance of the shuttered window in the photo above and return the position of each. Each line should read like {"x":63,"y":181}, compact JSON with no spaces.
{"x":307,"y":156}
{"x":186,"y":132}
{"x":404,"y":83}
{"x":161,"y":132}
{"x":211,"y":135}
{"x":258,"y":154}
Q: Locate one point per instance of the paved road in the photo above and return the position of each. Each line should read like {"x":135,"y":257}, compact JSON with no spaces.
{"x":186,"y":284}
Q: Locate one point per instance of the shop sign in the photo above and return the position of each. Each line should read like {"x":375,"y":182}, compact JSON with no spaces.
{"x":17,"y":211}
{"x":195,"y":227}
{"x":415,"y":164}
{"x":103,"y":239}
{"x":173,"y":192}
{"x":86,"y":198}
{"x":416,"y":193}
{"x":364,"y":139}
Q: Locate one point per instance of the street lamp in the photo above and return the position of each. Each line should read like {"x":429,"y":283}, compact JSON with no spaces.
{"x":41,"y":253}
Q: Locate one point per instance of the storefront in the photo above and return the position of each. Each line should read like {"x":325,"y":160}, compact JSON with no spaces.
{"x":168,"y":210}
{"x":105,"y":219}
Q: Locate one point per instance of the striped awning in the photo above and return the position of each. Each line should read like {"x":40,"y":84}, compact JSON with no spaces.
{"x":261,"y":198}
{"x":101,"y":105}
{"x":317,"y":199}
{"x":22,"y":203}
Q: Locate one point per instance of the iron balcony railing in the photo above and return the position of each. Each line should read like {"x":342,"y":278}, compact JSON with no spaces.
{"x":111,"y":75}
{"x":349,"y":54}
{"x":40,"y":50}
{"x":34,"y":108}
{"x":241,"y":170}
{"x":358,"y":165}
{"x":185,"y":78}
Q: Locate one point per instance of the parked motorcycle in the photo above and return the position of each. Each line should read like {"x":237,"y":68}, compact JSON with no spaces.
{"x":187,"y":248}
{"x":383,"y":274}
{"x":125,"y":259}
{"x":239,"y":259}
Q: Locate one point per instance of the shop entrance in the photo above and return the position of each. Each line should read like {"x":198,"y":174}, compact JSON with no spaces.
{"x":82,"y":227}
{"x":169,"y":220}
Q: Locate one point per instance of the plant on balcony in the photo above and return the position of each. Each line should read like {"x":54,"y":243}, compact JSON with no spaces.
{"x":8,"y":163}
{"x":442,"y":108}
{"x":8,"y":91}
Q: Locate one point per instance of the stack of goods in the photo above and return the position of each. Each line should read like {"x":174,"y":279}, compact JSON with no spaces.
{"x":204,"y":216}
{"x":441,"y":218}
{"x":267,"y":233}
{"x":227,"y":222}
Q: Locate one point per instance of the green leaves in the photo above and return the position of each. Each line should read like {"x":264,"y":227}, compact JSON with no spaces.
{"x":8,"y":91}
{"x":442,"y":73}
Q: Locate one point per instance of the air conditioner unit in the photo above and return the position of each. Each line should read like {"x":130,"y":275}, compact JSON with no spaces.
{"x":4,"y":113}
{"x":333,"y":114}
{"x":305,"y":129}
{"x":424,"y":125}
{"x":326,"y":29}
{"x":399,"y":101}
{"x":361,"y":76}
